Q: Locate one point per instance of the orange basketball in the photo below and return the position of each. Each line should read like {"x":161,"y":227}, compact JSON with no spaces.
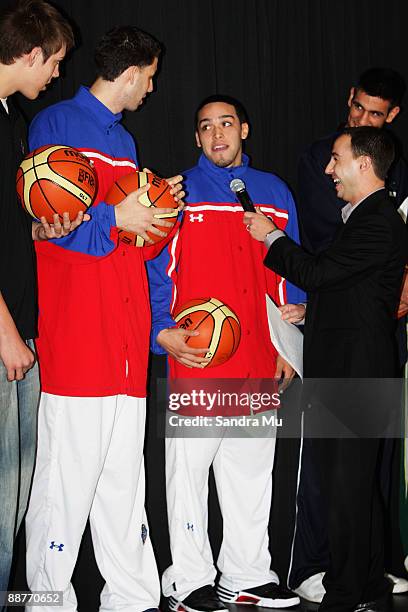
{"x":218,"y":325}
{"x":158,"y":195}
{"x":56,"y":179}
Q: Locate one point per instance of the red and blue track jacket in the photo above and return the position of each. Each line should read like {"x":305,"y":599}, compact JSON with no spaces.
{"x":213,"y":255}
{"x":94,"y":313}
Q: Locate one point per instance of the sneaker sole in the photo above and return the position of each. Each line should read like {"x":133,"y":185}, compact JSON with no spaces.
{"x":179,"y":606}
{"x":248,"y":599}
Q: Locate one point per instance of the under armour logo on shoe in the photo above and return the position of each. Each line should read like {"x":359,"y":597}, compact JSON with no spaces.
{"x":59,"y":546}
{"x":199,"y":218}
{"x":190,"y":526}
{"x":144,"y":533}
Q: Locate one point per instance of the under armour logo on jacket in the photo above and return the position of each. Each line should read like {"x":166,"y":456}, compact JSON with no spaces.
{"x":59,"y":546}
{"x":190,"y":526}
{"x":199,"y":218}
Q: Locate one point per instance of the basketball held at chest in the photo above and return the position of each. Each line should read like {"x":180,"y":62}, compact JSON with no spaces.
{"x":218,"y":325}
{"x":56,"y":179}
{"x":158,"y":196}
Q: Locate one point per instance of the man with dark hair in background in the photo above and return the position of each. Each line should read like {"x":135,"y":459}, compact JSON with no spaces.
{"x":212,"y":255}
{"x":354,"y":288}
{"x":93,"y":346}
{"x":375,"y":101}
{"x":34,"y":38}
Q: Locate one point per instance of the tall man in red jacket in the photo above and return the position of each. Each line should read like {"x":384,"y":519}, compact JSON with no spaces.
{"x":93,"y":345}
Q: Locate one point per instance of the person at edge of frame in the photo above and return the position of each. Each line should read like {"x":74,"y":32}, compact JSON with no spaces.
{"x":360,"y":272}
{"x":374,"y":101}
{"x":34,"y":38}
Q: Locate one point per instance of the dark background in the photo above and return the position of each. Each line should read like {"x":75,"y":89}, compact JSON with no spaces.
{"x":292,"y":63}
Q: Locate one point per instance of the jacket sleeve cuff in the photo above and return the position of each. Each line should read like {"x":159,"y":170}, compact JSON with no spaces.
{"x":272,"y":236}
{"x":156,"y":329}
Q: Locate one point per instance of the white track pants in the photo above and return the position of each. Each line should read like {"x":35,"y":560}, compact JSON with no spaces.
{"x":90,"y":462}
{"x":243,"y":475}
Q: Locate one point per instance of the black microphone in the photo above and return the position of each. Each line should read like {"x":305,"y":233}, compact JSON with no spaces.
{"x":238,"y":187}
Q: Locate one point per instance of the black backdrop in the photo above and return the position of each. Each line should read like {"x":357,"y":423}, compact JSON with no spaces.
{"x":291,"y":62}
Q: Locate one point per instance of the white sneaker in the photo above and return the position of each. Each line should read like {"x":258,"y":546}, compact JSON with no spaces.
{"x":312,"y":588}
{"x":399,"y":585}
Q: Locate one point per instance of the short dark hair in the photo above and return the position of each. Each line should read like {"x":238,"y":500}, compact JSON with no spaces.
{"x":376,"y":143}
{"x":239,"y":107}
{"x":32,"y":23}
{"x":124,"y":46}
{"x":383,"y":83}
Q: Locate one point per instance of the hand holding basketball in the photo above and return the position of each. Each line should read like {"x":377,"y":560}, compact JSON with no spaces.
{"x":218,"y":325}
{"x":157,"y":196}
{"x":176,"y":184}
{"x":46,"y":231}
{"x":174,"y":342}
{"x":133,"y":216}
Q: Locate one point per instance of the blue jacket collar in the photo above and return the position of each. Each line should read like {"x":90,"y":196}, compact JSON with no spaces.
{"x":101,"y":112}
{"x":208,"y":167}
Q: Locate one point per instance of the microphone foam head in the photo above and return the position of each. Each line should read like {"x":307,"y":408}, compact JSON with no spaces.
{"x":237,"y":185}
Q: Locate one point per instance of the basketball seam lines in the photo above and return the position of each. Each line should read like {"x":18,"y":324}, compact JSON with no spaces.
{"x":211,"y":314}
{"x":120,"y":188}
{"x":158,"y":197}
{"x":218,"y":341}
{"x":199,"y":323}
{"x":68,"y":161}
{"x":42,"y":191}
{"x":63,"y":160}
{"x":233,"y":335}
{"x":64,"y":189}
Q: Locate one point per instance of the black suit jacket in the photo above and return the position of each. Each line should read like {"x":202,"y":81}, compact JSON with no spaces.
{"x":318,"y":207}
{"x":353,"y":288}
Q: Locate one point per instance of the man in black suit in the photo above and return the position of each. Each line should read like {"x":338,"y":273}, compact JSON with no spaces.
{"x":354,"y":287}
{"x":375,"y":100}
